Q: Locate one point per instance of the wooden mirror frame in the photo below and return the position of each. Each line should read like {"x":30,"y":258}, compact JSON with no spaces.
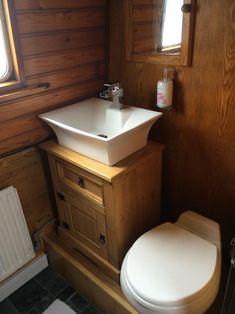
{"x":182,"y":59}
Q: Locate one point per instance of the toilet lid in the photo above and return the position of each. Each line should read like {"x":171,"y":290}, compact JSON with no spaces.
{"x":169,"y":265}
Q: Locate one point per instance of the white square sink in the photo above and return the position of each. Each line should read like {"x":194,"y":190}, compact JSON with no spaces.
{"x":97,"y":130}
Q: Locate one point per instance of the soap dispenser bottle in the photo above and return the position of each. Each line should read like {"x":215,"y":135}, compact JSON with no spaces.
{"x":165,"y":89}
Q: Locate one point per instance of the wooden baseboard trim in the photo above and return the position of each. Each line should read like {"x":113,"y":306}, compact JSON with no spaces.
{"x":86,"y":277}
{"x":100,"y":262}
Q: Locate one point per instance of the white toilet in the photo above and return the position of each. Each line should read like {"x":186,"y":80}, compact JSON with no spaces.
{"x":174,"y":268}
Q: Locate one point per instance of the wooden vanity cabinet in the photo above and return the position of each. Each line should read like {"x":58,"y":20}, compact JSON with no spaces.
{"x":103,"y":210}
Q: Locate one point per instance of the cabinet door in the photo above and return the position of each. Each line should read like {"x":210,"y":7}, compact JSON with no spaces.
{"x":86,"y":222}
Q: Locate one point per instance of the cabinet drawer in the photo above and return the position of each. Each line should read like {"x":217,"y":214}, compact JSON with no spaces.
{"x":73,"y":179}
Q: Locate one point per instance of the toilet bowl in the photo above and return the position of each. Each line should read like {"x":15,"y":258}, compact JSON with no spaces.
{"x":174,"y":268}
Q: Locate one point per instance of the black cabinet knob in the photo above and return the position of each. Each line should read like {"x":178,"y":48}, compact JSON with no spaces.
{"x":81,"y":182}
{"x":102,"y":239}
{"x":60,"y":196}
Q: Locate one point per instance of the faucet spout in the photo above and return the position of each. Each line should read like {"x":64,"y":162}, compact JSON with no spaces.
{"x":116,"y":102}
{"x":115,"y":92}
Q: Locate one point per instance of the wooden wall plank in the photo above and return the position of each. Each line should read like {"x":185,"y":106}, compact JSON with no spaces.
{"x":61,"y":4}
{"x":54,"y":21}
{"x":57,"y":79}
{"x":25,"y":140}
{"x":147,"y":19}
{"x":53,"y":62}
{"x":144,"y":45}
{"x":146,"y":14}
{"x":146,"y":37}
{"x":51,"y":42}
{"x":24,"y":171}
{"x":48,"y":101}
{"x":156,"y":3}
{"x":146,"y":30}
{"x":71,"y":76}
{"x":24,"y":123}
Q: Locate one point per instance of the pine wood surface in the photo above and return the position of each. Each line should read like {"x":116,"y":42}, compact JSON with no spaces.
{"x":128,"y":192}
{"x":95,"y":167}
{"x":25,"y":171}
{"x":78,"y":246}
{"x":86,"y":277}
{"x":199,"y":133}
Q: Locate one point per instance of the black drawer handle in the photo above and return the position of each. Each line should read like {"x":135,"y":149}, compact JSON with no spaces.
{"x":60,"y":196}
{"x":102,"y":238}
{"x":65,"y":225}
{"x":81,"y":182}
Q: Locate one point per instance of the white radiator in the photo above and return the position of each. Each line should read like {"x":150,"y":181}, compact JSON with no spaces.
{"x":16,"y":247}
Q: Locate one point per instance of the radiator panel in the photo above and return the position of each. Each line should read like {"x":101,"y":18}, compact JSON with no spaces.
{"x":16,"y":247}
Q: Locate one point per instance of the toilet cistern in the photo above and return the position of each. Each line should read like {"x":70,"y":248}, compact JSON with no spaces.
{"x":115,"y":92}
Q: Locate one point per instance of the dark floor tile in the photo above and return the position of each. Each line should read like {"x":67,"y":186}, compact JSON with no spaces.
{"x":28,"y":296}
{"x":37,"y":295}
{"x":66,"y":293}
{"x":51,"y":281}
{"x":33,"y":311}
{"x":6,"y":307}
{"x":44,"y":303}
{"x":78,"y":301}
{"x":91,"y":309}
{"x":73,"y":307}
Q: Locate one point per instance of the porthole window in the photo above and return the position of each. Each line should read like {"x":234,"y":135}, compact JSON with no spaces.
{"x":11,"y":63}
{"x":5,"y":52}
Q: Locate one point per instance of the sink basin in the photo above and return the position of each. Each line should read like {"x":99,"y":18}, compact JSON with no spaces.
{"x":95,"y":129}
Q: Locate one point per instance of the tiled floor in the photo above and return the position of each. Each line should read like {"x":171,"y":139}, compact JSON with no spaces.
{"x":37,"y":294}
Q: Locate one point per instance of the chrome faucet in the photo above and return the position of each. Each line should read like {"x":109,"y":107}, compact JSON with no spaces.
{"x":115,"y":92}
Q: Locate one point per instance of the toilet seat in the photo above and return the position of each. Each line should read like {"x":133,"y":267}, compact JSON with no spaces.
{"x":179,"y":268}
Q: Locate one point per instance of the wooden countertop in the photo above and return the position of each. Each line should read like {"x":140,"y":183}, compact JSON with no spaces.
{"x":99,"y":169}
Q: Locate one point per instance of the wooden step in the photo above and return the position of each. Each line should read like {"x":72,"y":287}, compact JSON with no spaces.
{"x":85,"y":276}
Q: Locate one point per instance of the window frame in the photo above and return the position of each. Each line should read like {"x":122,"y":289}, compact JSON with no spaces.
{"x":4,"y":34}
{"x":16,"y":77}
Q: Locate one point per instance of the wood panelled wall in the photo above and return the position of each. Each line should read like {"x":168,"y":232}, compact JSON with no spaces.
{"x":199,"y":133}
{"x":63,"y":48}
{"x":25,"y":171}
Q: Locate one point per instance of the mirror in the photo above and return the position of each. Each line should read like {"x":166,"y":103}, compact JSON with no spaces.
{"x":159,"y":31}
